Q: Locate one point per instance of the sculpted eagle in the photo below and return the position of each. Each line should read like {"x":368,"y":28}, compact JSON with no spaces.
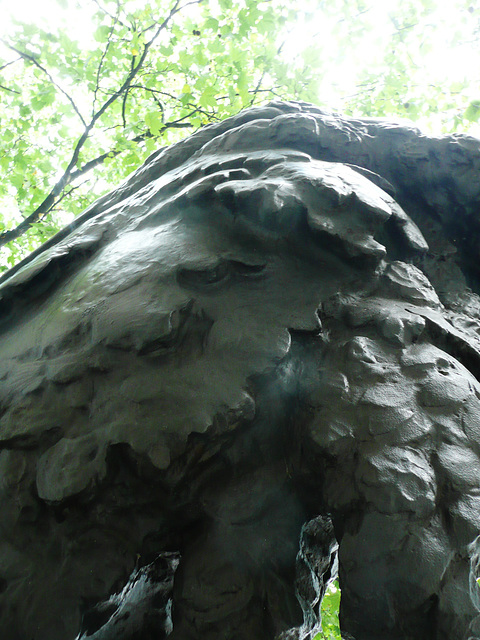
{"x":263,"y":347}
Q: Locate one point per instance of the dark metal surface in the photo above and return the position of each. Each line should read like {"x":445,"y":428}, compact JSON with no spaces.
{"x":271,"y":328}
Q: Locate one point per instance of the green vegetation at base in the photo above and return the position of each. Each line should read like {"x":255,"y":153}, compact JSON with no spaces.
{"x":330,"y":608}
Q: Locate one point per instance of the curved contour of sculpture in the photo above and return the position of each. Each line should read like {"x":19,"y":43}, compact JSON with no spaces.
{"x":254,"y":361}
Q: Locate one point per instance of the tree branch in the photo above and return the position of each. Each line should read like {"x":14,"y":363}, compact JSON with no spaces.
{"x":65,"y":194}
{"x":66,"y":178}
{"x":34,"y":61}
{"x":125,"y":96}
{"x":91,"y":164}
{"x":7,"y":89}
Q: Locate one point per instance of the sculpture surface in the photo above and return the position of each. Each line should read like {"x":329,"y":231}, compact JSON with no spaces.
{"x":263,"y":347}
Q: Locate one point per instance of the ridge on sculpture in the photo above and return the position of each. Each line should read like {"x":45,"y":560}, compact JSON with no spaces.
{"x":252,"y":364}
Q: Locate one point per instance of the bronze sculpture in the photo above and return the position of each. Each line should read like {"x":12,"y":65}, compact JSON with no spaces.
{"x":269,"y":334}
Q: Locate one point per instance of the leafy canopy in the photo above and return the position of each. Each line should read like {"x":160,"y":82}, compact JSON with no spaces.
{"x":87,"y":97}
{"x":80,"y":116}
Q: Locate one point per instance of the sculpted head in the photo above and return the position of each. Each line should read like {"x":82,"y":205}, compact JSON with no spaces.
{"x":249,"y":259}
{"x":178,"y":295}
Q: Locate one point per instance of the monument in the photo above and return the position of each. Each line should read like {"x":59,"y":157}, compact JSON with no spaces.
{"x":251,"y":366}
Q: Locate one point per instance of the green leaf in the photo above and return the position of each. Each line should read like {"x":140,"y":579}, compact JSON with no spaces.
{"x":101,"y":33}
{"x":153,"y":120}
{"x":17,"y":180}
{"x":185,"y":59}
{"x":211,"y":23}
{"x":472,"y":113}
{"x":208,"y":98}
{"x":216,"y":46}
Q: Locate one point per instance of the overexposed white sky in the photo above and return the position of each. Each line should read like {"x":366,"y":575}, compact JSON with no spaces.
{"x":48,"y":12}
{"x":447,"y":48}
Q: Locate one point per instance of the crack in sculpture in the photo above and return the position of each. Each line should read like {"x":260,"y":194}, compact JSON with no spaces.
{"x":260,"y":348}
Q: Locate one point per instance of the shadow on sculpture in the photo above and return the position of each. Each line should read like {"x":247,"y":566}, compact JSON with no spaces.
{"x":262,"y":348}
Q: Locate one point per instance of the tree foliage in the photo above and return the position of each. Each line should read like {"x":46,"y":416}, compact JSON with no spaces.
{"x":424,"y":71}
{"x":81,"y":116}
{"x":416,"y":59}
{"x":330,"y":607}
{"x":81,"y":108}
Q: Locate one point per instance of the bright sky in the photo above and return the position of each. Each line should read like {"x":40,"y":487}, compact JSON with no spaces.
{"x":438,"y":61}
{"x":448,"y":48}
{"x":45,"y":12}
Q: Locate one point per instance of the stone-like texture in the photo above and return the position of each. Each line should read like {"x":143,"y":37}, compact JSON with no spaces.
{"x":143,"y":604}
{"x":262,"y":347}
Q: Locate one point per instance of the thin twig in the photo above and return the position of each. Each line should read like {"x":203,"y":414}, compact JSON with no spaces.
{"x":9,"y":63}
{"x":125,"y":97}
{"x":34,"y":61}
{"x":108,"y":13}
{"x":7,"y":89}
{"x":66,"y":193}
{"x":257,"y":88}
{"x":104,"y":54}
